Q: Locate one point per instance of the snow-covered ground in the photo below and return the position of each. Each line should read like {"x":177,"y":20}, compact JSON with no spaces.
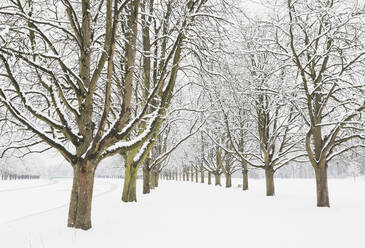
{"x":33,"y":214}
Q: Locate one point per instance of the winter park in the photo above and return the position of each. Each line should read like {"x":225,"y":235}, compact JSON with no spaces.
{"x":182,"y":123}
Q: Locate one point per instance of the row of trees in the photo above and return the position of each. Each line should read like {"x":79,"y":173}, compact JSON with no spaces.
{"x":92,"y":79}
{"x":286,"y":88}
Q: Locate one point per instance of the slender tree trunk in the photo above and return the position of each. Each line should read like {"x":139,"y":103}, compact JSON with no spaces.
{"x":79,"y":215}
{"x":217,"y":179}
{"x":196,"y":175}
{"x":202,"y":175}
{"x":130,"y":182}
{"x":228,"y":180}
{"x":146,"y":180}
{"x":270,"y":188}
{"x":322,"y":186}
{"x":187,"y":175}
{"x":209,"y":178}
{"x":152,"y":180}
{"x":156,"y":175}
{"x":244,"y":179}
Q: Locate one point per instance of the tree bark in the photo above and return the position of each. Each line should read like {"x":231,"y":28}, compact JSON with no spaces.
{"x":156,"y":175}
{"x":217,"y":179}
{"x":202,"y":175}
{"x":244,"y":179}
{"x":228,"y":180}
{"x":79,"y":215}
{"x":209,"y":178}
{"x":146,"y":180}
{"x":130,"y":182}
{"x":270,"y":188}
{"x":322,"y":186}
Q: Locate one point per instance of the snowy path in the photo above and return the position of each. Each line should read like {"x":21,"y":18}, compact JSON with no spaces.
{"x":188,"y":215}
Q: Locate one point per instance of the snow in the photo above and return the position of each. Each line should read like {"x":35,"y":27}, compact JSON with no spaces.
{"x":185,"y":214}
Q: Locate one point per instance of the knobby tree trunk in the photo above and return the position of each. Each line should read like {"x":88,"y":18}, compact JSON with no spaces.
{"x":130,"y":182}
{"x":269,"y":175}
{"x":244,"y":179}
{"x":79,"y":215}
{"x":228,"y":180}
{"x":217,"y":179}
{"x":209,"y":178}
{"x":146,"y":180}
{"x":322,"y":186}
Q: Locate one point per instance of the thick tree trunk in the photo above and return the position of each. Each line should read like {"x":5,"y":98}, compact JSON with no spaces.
{"x":209,"y":178}
{"x":270,"y":188}
{"x":79,"y":215}
{"x":217,"y":179}
{"x":228,"y":180}
{"x":322,"y":186}
{"x":244,"y":179}
{"x":146,"y":180}
{"x":130,"y":182}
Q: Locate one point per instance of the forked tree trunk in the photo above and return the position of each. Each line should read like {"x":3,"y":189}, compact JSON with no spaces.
{"x":79,"y":215}
{"x":244,"y":179}
{"x":228,"y":180}
{"x":130,"y":182}
{"x":322,"y":186}
{"x":209,"y":178}
{"x":269,"y":175}
{"x":146,"y":180}
{"x":217,"y":179}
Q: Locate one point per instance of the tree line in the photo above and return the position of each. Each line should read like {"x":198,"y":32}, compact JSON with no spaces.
{"x":94,"y":79}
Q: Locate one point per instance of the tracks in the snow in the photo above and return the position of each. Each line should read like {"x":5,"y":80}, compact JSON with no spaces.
{"x":52,"y":182}
{"x":113,"y":186}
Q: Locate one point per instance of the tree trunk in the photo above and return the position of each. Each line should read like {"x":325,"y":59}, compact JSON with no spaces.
{"x":209,"y":178}
{"x":228,"y":180}
{"x":130,"y":182}
{"x":244,"y":179}
{"x":156,"y":175}
{"x":152,"y":180}
{"x":270,"y":188}
{"x":217,"y":179}
{"x":201,"y":175}
{"x":79,"y":215}
{"x":322,"y":186}
{"x":146,"y":180}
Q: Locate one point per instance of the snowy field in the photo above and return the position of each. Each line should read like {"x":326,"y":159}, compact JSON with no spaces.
{"x":33,"y":214}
